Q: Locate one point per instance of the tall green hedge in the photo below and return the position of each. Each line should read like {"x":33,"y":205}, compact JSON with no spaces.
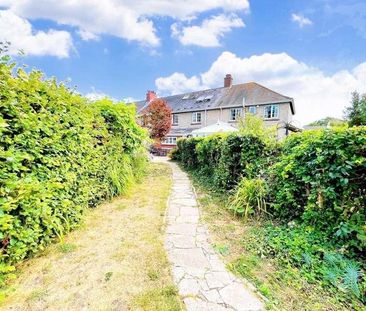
{"x":224,"y":158}
{"x":321,"y":177}
{"x":317,"y":177}
{"x":59,"y":154}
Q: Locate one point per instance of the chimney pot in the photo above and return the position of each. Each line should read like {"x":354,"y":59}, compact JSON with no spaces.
{"x":228,"y":81}
{"x":150,"y":96}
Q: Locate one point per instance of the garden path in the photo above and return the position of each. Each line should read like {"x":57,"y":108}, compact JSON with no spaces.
{"x":201,"y":277}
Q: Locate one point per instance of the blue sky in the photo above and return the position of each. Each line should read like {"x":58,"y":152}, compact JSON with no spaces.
{"x":311,"y":50}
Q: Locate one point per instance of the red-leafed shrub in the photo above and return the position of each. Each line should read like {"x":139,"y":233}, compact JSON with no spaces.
{"x":157,"y":118}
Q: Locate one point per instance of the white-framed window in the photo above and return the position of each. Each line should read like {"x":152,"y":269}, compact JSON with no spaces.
{"x":235,"y":114}
{"x":175,"y":119}
{"x":170,"y":140}
{"x":271,"y":112}
{"x":252,"y":109}
{"x":196,"y":117}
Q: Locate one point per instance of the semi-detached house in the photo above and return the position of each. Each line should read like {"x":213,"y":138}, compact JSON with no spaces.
{"x":228,"y":104}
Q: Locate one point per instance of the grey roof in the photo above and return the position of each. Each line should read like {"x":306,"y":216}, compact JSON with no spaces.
{"x":248,"y":94}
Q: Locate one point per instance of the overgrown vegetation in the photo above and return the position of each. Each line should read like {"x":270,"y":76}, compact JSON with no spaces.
{"x":356,"y":113}
{"x":313,"y":186}
{"x":252,"y":250}
{"x":59,"y":155}
{"x":320,"y":179}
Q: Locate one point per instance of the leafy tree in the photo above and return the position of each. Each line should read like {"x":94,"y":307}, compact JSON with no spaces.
{"x":157,"y":118}
{"x":253,"y":125}
{"x":356,"y":113}
{"x":328,"y":121}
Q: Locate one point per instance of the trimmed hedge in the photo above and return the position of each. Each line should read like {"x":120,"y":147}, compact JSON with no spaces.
{"x":318,"y":177}
{"x":59,"y":154}
{"x":225,"y":158}
{"x":321,"y":177}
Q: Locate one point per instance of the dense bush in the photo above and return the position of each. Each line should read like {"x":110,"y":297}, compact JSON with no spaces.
{"x":317,"y":176}
{"x":59,"y":154}
{"x":321,"y":177}
{"x":225,"y":158}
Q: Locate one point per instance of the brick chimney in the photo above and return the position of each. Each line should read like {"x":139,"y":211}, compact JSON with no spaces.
{"x":150,"y":96}
{"x":228,"y":81}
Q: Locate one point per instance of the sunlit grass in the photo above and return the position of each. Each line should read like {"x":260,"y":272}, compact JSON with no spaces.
{"x":114,"y":261}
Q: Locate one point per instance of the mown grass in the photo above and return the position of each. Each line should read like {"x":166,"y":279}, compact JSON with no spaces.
{"x":114,"y":261}
{"x":284,"y":286}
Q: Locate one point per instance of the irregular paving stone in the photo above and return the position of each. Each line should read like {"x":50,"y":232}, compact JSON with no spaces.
{"x":218,"y":279}
{"x":240,"y":300}
{"x":196,"y":304}
{"x":186,"y":229}
{"x":189,"y":287}
{"x":181,"y":241}
{"x":201,"y":276}
{"x":212,"y":296}
{"x":189,"y":258}
{"x":189,"y":219}
{"x":189,"y":211}
{"x":178,"y":273}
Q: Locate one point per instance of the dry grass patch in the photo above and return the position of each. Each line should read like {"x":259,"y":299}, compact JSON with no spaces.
{"x":114,"y":261}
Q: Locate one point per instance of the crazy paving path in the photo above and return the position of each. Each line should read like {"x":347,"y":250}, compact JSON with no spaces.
{"x":202,"y":279}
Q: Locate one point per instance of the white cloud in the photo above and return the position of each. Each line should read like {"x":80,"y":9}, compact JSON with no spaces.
{"x":178,"y":83}
{"x":87,"y":36}
{"x":127,"y":19}
{"x":19,"y":32}
{"x":208,"y":34}
{"x":301,"y":20}
{"x":129,"y":100}
{"x":316,"y":94}
{"x":94,"y":96}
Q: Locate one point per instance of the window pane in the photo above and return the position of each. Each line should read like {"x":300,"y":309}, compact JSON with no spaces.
{"x":175,"y":119}
{"x":234,"y":114}
{"x":267,"y":112}
{"x":271,"y":112}
{"x":252,"y":109}
{"x":240,"y":113}
{"x":196,"y":117}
